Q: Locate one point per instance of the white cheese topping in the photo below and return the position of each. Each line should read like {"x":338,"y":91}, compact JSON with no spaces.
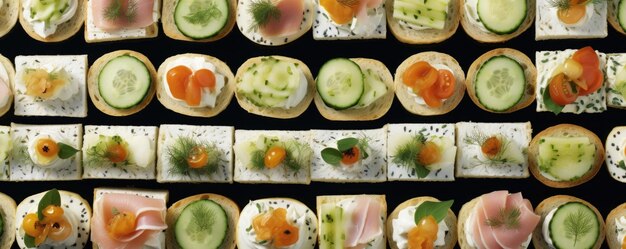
{"x":297,"y":97}
{"x":471,"y":11}
{"x":589,"y":12}
{"x":41,"y":162}
{"x":418,"y":99}
{"x":208,"y":98}
{"x":545,"y":229}
{"x":620,"y":227}
{"x":44,"y":29}
{"x":366,"y":26}
{"x":406,"y":221}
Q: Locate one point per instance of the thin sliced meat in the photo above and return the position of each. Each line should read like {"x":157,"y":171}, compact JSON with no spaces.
{"x":372,"y":228}
{"x":489,"y":206}
{"x":291,"y":15}
{"x":141,"y":17}
{"x":513,"y":238}
{"x":354,"y":228}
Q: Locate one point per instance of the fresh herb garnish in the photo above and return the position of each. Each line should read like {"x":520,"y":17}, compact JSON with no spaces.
{"x":201,"y":12}
{"x":578,"y":224}
{"x":263,"y":11}
{"x":297,"y":155}
{"x":507,"y":218}
{"x":550,"y":104}
{"x":115,"y":10}
{"x":478,"y":138}
{"x":178,"y":154}
{"x":439,"y":210}
{"x":407,"y":155}
{"x":333,"y":156}
{"x":565,"y":4}
{"x":50,"y":198}
{"x":100,"y":154}
{"x":203,"y":218}
{"x":66,"y":151}
{"x":621,"y":165}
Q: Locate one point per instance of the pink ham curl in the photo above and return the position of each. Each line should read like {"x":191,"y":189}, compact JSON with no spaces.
{"x":365,"y":224}
{"x":291,"y":15}
{"x":150,"y":220}
{"x":142,"y":15}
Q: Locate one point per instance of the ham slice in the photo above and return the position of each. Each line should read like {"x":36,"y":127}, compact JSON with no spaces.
{"x":150,"y":219}
{"x":291,"y":15}
{"x":488,"y":206}
{"x":142,"y":16}
{"x":365,"y":223}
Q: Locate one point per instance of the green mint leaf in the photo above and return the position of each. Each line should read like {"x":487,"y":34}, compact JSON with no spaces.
{"x":346,"y":144}
{"x":439,"y":210}
{"x":331,"y":156}
{"x":621,"y":165}
{"x":29,"y":241}
{"x":52,"y":197}
{"x":547,"y":101}
{"x":66,"y":151}
{"x":421,"y":171}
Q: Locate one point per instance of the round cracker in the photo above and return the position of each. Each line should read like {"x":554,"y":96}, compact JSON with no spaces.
{"x":427,"y":36}
{"x":450,"y":221}
{"x":223,"y":99}
{"x":275,"y":112}
{"x":559,"y":131}
{"x":8,"y":16}
{"x":64,"y":30}
{"x":489,"y":37}
{"x":8,"y":66}
{"x":7,"y":211}
{"x":611,"y":227}
{"x":229,"y":206}
{"x":94,"y":92}
{"x":433,"y":58}
{"x":613,"y":6}
{"x":170,"y":29}
{"x":529,"y":71}
{"x":375,"y":110}
{"x":539,"y":242}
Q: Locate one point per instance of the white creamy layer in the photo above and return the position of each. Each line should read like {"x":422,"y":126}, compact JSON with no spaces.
{"x":44,"y":29}
{"x":406,"y":221}
{"x":208,"y":98}
{"x":418,"y":99}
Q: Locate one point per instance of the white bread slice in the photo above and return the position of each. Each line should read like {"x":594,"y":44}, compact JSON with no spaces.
{"x":7,"y":214}
{"x":276,"y":112}
{"x":488,"y":37}
{"x":325,"y":29}
{"x":121,"y":170}
{"x":307,"y":231}
{"x":22,"y":167}
{"x":94,"y":34}
{"x":614,"y":65}
{"x":614,"y":145}
{"x":221,"y":136}
{"x":378,"y":243}
{"x":550,"y":203}
{"x":223,"y":99}
{"x":548,"y":26}
{"x":434,"y":58}
{"x":149,"y":193}
{"x":529,"y":71}
{"x":612,"y":18}
{"x":64,"y":30}
{"x":427,"y":36}
{"x":8,"y":16}
{"x":564,"y":130}
{"x":229,"y":206}
{"x":6,"y":147}
{"x":6,"y":64}
{"x":245,"y":22}
{"x":450,"y":221}
{"x":71,"y":203}
{"x":611,"y":227}
{"x":170,"y":29}
{"x":76,"y":68}
{"x":94,"y":92}
{"x":375,"y":110}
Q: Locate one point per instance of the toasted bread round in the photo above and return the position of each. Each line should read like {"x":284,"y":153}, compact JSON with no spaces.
{"x":230,"y":207}
{"x":489,"y":37}
{"x":611,"y":226}
{"x":8,"y":16}
{"x":529,"y":71}
{"x":547,"y":205}
{"x":561,"y":131}
{"x":94,"y":92}
{"x":64,"y":30}
{"x":450,"y":221}
{"x":427,"y":36}
{"x":223,"y":99}
{"x":246,"y":24}
{"x":434,"y":58}
{"x":70,"y":202}
{"x":170,"y":29}
{"x":275,"y":112}
{"x":375,"y":110}
{"x":7,"y":214}
{"x":613,"y":6}
{"x":8,"y":66}
{"x":464,"y":214}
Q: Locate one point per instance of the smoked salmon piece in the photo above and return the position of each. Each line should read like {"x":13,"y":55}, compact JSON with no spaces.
{"x":113,"y":15}
{"x":291,"y":16}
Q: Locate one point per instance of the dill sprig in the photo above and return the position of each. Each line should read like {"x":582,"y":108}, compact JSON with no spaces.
{"x":509,"y":219}
{"x":407,"y":155}
{"x":178,"y":153}
{"x":478,"y":138}
{"x":565,"y":4}
{"x":263,"y":11}
{"x":201,"y":12}
{"x":578,"y":224}
{"x":203,"y":218}
{"x":297,"y":155}
{"x":114,"y":11}
{"x":98,"y":155}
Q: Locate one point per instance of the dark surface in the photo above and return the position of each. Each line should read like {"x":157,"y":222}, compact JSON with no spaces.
{"x":602,"y":191}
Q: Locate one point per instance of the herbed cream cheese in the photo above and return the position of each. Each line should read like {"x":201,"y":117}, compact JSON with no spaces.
{"x":471,"y":11}
{"x":620,"y":227}
{"x":45,"y":29}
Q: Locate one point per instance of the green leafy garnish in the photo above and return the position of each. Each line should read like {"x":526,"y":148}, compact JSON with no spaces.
{"x":549,"y":103}
{"x":179,"y":153}
{"x":203,"y":219}
{"x":621,"y":165}
{"x":333,"y":156}
{"x":52,"y":197}
{"x":578,"y":224}
{"x":29,"y":241}
{"x":115,"y":11}
{"x":478,"y":138}
{"x":407,"y":155}
{"x":201,"y":12}
{"x":297,"y":155}
{"x":439,"y":210}
{"x":507,"y":218}
{"x":100,"y":154}
{"x":66,"y":151}
{"x":263,"y":11}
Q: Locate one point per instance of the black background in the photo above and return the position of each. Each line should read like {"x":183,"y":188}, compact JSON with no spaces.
{"x":602,"y":191}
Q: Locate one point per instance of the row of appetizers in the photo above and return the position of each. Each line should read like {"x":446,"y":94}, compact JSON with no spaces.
{"x":130,"y":218}
{"x":429,"y":83}
{"x":279,"y":22}
{"x":560,"y":156}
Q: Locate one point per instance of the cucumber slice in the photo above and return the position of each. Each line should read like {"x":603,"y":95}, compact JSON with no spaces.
{"x":42,"y":10}
{"x":332,"y":232}
{"x":500,"y":83}
{"x":428,"y":13}
{"x":374,"y":88}
{"x":201,"y":19}
{"x":574,"y":226}
{"x":502,"y":16}
{"x":203,"y":224}
{"x":270,"y":83}
{"x":621,"y":14}
{"x":566,"y":158}
{"x":340,"y":83}
{"x":124,"y":82}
